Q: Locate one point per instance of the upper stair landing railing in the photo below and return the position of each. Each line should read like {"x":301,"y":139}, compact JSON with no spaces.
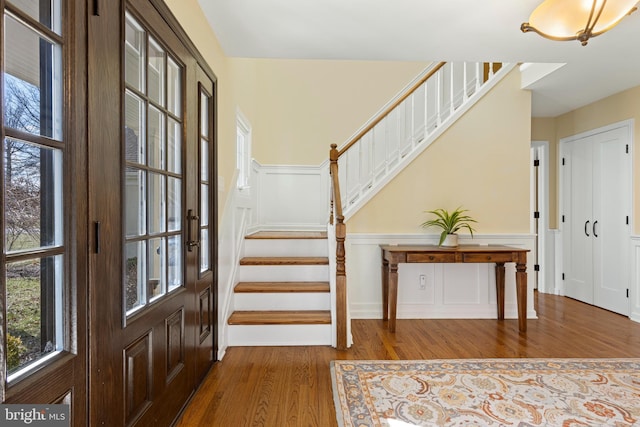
{"x":408,"y":124}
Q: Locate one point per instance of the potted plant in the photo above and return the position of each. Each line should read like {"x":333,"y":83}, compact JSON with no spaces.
{"x":450,"y":223}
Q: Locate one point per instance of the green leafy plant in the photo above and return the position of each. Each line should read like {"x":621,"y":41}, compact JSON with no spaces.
{"x":450,"y":222}
{"x":15,"y":349}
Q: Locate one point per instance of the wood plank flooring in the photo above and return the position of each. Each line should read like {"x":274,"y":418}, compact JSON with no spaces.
{"x":291,"y":386}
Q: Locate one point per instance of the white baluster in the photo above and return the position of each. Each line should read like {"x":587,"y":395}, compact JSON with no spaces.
{"x":452,"y":90}
{"x":439,"y":89}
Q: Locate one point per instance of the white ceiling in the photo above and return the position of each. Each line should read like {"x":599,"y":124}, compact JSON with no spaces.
{"x":431,"y":30}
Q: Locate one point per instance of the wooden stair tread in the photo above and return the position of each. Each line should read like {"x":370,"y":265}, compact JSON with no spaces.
{"x":280,"y":317}
{"x":281,"y":287}
{"x":288,"y":235}
{"x":284,"y":261}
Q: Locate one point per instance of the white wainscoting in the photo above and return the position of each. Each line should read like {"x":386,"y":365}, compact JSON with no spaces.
{"x":291,"y":197}
{"x":460,"y":291}
{"x":634,"y":290}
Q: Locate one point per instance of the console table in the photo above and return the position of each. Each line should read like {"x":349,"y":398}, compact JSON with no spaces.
{"x":393,"y":255}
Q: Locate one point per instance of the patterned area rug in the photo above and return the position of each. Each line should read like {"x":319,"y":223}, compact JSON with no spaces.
{"x":487,"y":392}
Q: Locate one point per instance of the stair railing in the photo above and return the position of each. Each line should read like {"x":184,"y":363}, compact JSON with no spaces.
{"x":381,"y":144}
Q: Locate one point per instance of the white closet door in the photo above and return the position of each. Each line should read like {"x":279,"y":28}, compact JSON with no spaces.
{"x":578,"y":245}
{"x":596,"y":207}
{"x":611,"y":208}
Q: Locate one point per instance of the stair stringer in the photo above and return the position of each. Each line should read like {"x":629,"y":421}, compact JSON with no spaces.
{"x":349,"y":209}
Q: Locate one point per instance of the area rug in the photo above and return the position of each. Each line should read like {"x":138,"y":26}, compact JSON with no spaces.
{"x":487,"y":392}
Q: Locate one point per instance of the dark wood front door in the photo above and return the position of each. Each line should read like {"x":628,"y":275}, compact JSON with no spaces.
{"x":152,"y":216}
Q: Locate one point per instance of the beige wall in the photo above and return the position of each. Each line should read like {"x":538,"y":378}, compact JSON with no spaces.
{"x":481,"y":163}
{"x":297,"y":108}
{"x":192,"y":19}
{"x":622,"y":106}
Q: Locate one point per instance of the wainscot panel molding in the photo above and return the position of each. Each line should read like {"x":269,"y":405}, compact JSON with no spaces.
{"x":452,"y":291}
{"x":233,"y":228}
{"x":291,"y":197}
{"x":634,"y":291}
{"x":555,"y":240}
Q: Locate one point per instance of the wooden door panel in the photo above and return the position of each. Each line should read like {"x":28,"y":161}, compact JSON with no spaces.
{"x":138,"y":374}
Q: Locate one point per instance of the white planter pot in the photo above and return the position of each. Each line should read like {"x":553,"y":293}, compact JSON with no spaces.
{"x":451,"y":241}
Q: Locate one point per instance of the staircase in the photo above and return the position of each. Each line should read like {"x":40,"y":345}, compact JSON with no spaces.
{"x":292,"y":288}
{"x":283,"y":297}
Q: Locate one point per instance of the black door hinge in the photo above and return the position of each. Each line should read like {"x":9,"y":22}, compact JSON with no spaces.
{"x":563,"y":161}
{"x":627,"y":149}
{"x":627,"y":292}
{"x":562,"y":276}
{"x":96,"y":7}
{"x":627,"y":220}
{"x":536,"y":267}
{"x":536,"y":162}
{"x":562,"y":218}
{"x":536,"y":214}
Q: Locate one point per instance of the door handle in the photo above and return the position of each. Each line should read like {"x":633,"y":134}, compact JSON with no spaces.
{"x":594,"y":229}
{"x":191,"y":242}
{"x":586,"y":224}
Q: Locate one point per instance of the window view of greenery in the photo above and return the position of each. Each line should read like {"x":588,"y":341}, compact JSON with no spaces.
{"x":32,"y":221}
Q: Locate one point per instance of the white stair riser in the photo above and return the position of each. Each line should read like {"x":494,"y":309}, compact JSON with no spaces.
{"x":274,"y":335}
{"x":284,"y":273}
{"x":282,"y":301}
{"x":285,"y":247}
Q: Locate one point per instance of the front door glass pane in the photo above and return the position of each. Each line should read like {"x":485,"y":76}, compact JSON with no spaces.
{"x":136,"y":202}
{"x":157,"y":268}
{"x":135,"y":277}
{"x":156,"y":72}
{"x":156,"y":138}
{"x":174,"y":88}
{"x":134,"y":135}
{"x":134,"y":50}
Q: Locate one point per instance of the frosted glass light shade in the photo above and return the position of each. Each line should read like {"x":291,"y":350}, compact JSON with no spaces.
{"x":577,"y":19}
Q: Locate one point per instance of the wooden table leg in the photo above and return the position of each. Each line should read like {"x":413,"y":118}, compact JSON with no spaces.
{"x":500,"y":289}
{"x":393,"y":295}
{"x":521,"y":293}
{"x":385,"y":288}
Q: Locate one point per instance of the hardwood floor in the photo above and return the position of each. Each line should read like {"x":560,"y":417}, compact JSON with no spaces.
{"x":291,"y":386}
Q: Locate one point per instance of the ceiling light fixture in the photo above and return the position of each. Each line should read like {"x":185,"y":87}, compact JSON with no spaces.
{"x":577,"y":19}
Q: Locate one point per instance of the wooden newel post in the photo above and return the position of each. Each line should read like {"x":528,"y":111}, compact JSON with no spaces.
{"x":341,"y":287}
{"x":341,"y":232}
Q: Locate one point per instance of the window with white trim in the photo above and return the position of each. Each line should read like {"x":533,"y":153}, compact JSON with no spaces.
{"x":243,"y":151}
